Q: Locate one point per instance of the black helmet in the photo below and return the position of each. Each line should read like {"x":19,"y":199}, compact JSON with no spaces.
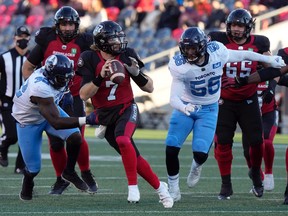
{"x":58,"y":69}
{"x":108,"y":35}
{"x":242,"y":17}
{"x":193,"y":37}
{"x":67,"y":14}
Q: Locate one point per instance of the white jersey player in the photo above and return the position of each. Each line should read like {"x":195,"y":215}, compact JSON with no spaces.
{"x":36,"y":110}
{"x":195,"y":92}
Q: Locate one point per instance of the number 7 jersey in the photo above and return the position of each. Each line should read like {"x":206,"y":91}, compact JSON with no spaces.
{"x":199,"y":85}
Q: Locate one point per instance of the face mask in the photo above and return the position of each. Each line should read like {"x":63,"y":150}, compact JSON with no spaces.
{"x":22,"y":43}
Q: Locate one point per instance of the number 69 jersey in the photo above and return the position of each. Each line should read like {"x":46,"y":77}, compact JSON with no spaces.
{"x":199,"y":85}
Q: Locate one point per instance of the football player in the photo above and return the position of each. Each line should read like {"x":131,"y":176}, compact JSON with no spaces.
{"x":66,"y":39}
{"x":114,"y":105}
{"x":195,"y":92}
{"x":36,"y":110}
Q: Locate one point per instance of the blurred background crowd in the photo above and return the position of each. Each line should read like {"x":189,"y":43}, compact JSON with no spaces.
{"x":151,"y":26}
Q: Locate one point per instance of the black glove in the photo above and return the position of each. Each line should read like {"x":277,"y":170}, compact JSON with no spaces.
{"x":240,"y":81}
{"x":269,"y":93}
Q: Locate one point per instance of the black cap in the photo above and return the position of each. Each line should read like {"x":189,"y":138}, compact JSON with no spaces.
{"x":22,"y":30}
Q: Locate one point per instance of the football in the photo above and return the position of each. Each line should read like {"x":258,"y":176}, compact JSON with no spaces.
{"x":117,"y":71}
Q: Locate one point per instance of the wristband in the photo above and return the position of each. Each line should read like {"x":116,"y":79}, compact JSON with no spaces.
{"x":269,"y":73}
{"x":97,"y":80}
{"x":140,"y":80}
{"x":82,"y":121}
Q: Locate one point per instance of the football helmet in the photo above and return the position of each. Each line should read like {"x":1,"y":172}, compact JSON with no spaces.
{"x":193,"y":44}
{"x":240,"y":17}
{"x":58,"y":70}
{"x":110,"y":38}
{"x":67,"y":14}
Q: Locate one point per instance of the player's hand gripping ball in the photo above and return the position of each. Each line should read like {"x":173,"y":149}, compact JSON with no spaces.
{"x":117,"y":71}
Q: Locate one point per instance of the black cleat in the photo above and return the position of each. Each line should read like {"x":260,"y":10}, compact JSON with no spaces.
{"x":27,"y":189}
{"x":3,"y":158}
{"x":286,"y":196}
{"x":73,"y":178}
{"x":59,"y":186}
{"x":226,"y":192}
{"x":88,"y":178}
{"x":258,"y":187}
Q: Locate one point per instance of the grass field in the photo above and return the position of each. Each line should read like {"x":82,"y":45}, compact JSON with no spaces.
{"x":112,"y":196}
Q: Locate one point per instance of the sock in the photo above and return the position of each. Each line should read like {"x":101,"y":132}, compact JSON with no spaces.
{"x":146,"y":172}
{"x":59,"y":160}
{"x":72,"y":155}
{"x":83,"y":157}
{"x":129,"y":159}
{"x":268,"y":155}
{"x":173,"y":181}
{"x":256,"y":154}
{"x":223,"y":155}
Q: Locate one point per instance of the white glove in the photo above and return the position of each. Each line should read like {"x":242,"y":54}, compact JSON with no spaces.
{"x":277,"y":62}
{"x":134,"y":68}
{"x":190,"y":108}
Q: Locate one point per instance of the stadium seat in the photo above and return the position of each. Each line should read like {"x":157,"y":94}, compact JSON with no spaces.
{"x":18,"y":20}
{"x":4,"y":21}
{"x":112,"y":13}
{"x":163,"y":34}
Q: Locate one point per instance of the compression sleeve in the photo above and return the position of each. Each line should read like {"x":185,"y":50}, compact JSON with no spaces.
{"x":241,"y":55}
{"x":177,"y":89}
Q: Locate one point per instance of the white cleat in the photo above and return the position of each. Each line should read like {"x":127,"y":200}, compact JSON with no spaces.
{"x":133,"y":194}
{"x":268,"y":182}
{"x":165,"y":197}
{"x":194,"y":175}
{"x":175,"y":193}
{"x":100,"y":131}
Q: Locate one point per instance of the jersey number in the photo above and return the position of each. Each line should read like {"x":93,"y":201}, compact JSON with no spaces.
{"x":212,"y":88}
{"x":111,"y":95}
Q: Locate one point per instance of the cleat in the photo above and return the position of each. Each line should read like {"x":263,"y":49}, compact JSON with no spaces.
{"x":133,"y":194}
{"x":165,"y":197}
{"x":88,"y":178}
{"x":19,"y":171}
{"x":268,"y":182}
{"x":258,"y":191}
{"x":59,"y":187}
{"x":194,"y":175}
{"x":73,"y":178}
{"x":257,"y":187}
{"x":100,"y":131}
{"x":27,"y":189}
{"x":286,"y":196}
{"x":3,"y":158}
{"x":175,"y":193}
{"x":226,"y":192}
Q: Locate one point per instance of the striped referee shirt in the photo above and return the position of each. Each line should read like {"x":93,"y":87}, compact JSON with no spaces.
{"x":10,"y":72}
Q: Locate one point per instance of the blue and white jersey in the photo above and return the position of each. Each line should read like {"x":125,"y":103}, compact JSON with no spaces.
{"x":198,"y":85}
{"x":26,"y":112}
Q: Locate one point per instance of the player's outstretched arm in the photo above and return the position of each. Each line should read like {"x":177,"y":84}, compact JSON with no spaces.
{"x":49,"y":111}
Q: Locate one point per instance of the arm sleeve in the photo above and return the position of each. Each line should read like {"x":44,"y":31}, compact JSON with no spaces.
{"x":177,"y":88}
{"x":36,"y":55}
{"x":241,"y":55}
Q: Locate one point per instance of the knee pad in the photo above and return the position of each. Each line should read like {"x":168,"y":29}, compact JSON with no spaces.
{"x":223,"y":152}
{"x":171,"y":141}
{"x":123,"y":140}
{"x":200,"y":157}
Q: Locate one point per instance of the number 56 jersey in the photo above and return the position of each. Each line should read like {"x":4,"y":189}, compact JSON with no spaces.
{"x":199,"y":85}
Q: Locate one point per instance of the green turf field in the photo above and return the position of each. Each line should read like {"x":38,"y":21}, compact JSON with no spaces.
{"x":112,"y":196}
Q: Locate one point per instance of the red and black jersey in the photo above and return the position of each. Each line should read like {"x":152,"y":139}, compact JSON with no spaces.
{"x":109,"y":94}
{"x":48,"y":43}
{"x":255,"y":43}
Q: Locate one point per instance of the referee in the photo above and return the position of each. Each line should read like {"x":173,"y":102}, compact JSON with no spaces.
{"x":11,"y":79}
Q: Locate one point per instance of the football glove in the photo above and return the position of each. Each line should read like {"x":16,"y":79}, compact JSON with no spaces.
{"x":134,"y":68}
{"x":190,"y":108}
{"x":235,"y":82}
{"x":91,"y":119}
{"x":269,"y":93}
{"x":277,"y":62}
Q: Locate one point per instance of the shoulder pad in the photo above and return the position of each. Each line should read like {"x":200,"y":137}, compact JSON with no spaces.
{"x":45,"y":35}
